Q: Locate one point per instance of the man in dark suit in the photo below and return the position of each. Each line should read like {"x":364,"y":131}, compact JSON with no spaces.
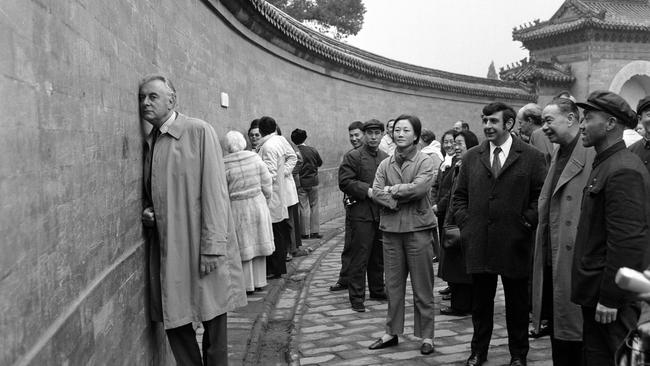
{"x":356,"y":175}
{"x":612,"y":230}
{"x":496,"y":199}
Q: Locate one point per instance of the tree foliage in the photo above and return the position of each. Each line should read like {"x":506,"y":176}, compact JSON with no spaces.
{"x":337,"y":18}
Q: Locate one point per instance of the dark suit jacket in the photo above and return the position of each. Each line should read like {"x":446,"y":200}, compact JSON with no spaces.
{"x":497,"y":215}
{"x":356,"y":175}
{"x":613,"y":227}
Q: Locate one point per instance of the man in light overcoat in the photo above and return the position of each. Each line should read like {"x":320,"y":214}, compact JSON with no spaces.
{"x":195,"y":266}
{"x":559,"y":212}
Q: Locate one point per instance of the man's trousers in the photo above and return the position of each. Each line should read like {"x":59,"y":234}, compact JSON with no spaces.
{"x":600,"y":341}
{"x":215,"y":343}
{"x":366,"y":257}
{"x":309,"y":211}
{"x":516,"y":293}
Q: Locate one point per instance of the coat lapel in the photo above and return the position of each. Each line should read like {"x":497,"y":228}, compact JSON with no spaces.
{"x":573,"y":167}
{"x":485,"y":156}
{"x":515,"y":151}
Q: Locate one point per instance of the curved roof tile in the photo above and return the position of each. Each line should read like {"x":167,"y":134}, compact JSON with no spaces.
{"x":377,"y":66}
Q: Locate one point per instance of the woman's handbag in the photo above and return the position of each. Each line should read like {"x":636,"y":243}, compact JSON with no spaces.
{"x":450,"y":237}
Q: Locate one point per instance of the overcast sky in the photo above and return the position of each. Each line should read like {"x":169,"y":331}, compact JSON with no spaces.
{"x":461,"y":36}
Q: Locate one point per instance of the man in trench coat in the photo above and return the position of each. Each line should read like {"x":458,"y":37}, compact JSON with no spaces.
{"x":496,"y":209}
{"x":195,"y":267}
{"x":559,"y":212}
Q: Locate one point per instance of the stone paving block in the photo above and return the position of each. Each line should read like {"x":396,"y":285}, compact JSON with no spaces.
{"x":444,"y":333}
{"x":363,"y":330}
{"x":355,"y":361}
{"x":314,"y":336}
{"x":398,"y":356}
{"x":321,"y":328}
{"x":316,"y":360}
{"x":334,"y":349}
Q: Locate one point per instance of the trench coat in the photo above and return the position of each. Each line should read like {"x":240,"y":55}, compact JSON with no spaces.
{"x":497,"y":215}
{"x":192,"y":211}
{"x":559,"y":212}
{"x":249,"y":186}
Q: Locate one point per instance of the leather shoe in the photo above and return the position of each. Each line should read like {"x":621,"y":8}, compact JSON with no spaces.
{"x":379,"y":296}
{"x":338,"y":287}
{"x":358,"y":307}
{"x":379,"y":344}
{"x":544,"y":330}
{"x":447,"y":310}
{"x":426,"y":349}
{"x":445,"y":291}
{"x":517,"y":361}
{"x":315,"y":236}
{"x":475,"y":360}
{"x":304,"y":236}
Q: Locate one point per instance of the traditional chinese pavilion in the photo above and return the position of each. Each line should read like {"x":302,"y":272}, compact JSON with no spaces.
{"x":587,"y":45}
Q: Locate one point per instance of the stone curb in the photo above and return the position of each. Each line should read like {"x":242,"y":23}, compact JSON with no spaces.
{"x":261,"y":321}
{"x":293,"y":350}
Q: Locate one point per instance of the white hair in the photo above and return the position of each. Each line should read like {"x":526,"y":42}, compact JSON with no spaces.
{"x":235,"y":141}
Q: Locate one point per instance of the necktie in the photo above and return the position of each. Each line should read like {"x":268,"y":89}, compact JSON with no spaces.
{"x":496,"y":162}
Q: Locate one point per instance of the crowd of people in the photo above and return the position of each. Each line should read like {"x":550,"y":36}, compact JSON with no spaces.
{"x":553,"y":201}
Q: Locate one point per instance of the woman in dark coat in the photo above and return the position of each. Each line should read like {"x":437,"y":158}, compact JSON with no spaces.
{"x":442,"y":187}
{"x":452,"y":263}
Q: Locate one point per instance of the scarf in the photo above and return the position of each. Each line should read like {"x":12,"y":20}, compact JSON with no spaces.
{"x":401,"y":155}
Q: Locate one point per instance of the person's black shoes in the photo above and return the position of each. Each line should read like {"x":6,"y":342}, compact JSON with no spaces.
{"x":445,"y":291}
{"x":315,"y":236}
{"x":475,"y":360}
{"x":515,"y":361}
{"x":379,"y":344}
{"x":426,"y":349}
{"x":448,"y":310}
{"x":358,"y":307}
{"x":338,"y":287}
{"x":544,"y":330}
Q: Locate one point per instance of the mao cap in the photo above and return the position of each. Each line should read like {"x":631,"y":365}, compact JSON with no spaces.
{"x":643,"y":105}
{"x":374,"y":124}
{"x":611,"y":103}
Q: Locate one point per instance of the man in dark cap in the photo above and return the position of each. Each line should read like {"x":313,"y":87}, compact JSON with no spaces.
{"x":612,"y":229}
{"x":642,"y":147}
{"x":356,"y":175}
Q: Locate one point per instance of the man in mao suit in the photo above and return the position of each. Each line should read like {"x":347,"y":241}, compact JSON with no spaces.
{"x":496,"y":199}
{"x":612,"y":230}
{"x":559,"y":212}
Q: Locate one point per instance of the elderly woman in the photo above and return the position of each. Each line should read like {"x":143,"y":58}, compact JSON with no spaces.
{"x":402,"y":184}
{"x":452,"y":261}
{"x":249,"y":186}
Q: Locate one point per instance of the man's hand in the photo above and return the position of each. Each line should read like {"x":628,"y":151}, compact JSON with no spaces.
{"x":435,"y":209}
{"x":148,"y":217}
{"x":644,"y":329}
{"x":605,"y":315}
{"x":369,"y":192}
{"x":208,"y":264}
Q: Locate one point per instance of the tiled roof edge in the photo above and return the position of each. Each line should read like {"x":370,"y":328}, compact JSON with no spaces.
{"x":379,"y":67}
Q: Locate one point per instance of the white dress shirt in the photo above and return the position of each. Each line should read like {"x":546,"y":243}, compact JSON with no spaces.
{"x":505,"y":150}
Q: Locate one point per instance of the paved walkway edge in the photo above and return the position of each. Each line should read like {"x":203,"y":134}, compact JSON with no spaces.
{"x":261,"y":322}
{"x":294,"y":351}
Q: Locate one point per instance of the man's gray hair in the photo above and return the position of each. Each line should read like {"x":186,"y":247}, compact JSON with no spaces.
{"x":234,"y":142}
{"x":161,"y":77}
{"x":533,"y":112}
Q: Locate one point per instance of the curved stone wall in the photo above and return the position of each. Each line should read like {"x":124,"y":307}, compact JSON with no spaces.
{"x":72,"y":272}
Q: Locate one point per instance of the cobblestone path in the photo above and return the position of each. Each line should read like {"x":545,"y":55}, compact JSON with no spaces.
{"x":328,"y":332}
